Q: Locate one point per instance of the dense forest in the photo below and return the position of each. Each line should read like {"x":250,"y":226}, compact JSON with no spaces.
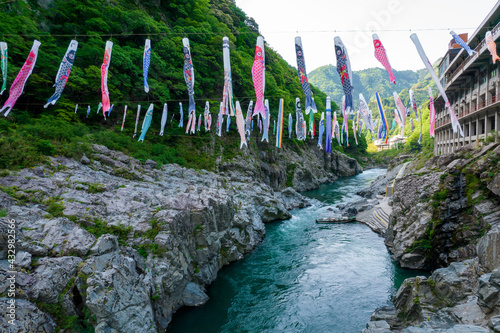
{"x":30,"y":131}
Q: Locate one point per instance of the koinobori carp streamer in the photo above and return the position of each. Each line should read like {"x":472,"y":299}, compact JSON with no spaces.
{"x":63,"y":72}
{"x":18,"y":85}
{"x":304,"y":82}
{"x":454,"y":120}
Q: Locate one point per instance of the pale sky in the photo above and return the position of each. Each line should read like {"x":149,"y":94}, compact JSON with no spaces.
{"x":315,"y":21}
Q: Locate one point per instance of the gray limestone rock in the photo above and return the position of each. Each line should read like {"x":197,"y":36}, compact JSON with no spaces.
{"x":51,"y":276}
{"x":23,"y":259}
{"x":379,"y":326}
{"x":105,"y":244}
{"x":455,"y":282}
{"x":29,"y":319}
{"x":494,"y":185}
{"x":488,"y":249}
{"x":118,"y":295}
{"x":194,"y":295}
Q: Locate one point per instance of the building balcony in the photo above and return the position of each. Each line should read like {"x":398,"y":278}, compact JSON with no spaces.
{"x":494,"y":99}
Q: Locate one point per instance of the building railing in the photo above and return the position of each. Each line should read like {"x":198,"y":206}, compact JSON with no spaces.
{"x":475,"y":108}
{"x":469,"y":59}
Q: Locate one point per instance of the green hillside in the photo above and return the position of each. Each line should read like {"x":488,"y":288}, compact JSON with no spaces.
{"x":30,"y":130}
{"x":368,"y":82}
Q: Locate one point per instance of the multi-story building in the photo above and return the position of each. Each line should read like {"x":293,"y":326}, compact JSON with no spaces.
{"x":473,"y":89}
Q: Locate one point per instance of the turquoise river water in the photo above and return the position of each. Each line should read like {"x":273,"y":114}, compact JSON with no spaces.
{"x":303,"y":277}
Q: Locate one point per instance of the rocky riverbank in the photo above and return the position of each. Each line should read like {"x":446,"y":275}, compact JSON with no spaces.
{"x":118,"y":245}
{"x":446,"y":218}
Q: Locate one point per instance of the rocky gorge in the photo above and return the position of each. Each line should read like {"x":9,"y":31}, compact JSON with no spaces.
{"x":111,"y":244}
{"x":446,"y":219}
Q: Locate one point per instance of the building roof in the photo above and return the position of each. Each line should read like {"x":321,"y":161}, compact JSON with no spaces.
{"x":477,"y":36}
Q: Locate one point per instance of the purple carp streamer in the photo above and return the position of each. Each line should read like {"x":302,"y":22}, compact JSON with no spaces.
{"x":4,"y":57}
{"x":104,"y":77}
{"x":454,"y":120}
{"x":258,"y":77}
{"x":164,"y":117}
{"x":321,"y":130}
{"x":304,"y":82}
{"x":345,"y":125}
{"x":88,"y":111}
{"x":463,"y":44}
{"x":228,"y":123}
{"x":249,"y":119}
{"x":344,"y":70}
{"x":145,"y":63}
{"x":299,"y":121}
{"x":266,"y":122}
{"x":290,"y":126}
{"x":189,"y":76}
{"x":76,"y":108}
{"x":421,"y":121}
{"x":110,"y":109}
{"x":381,"y":55}
{"x":137,"y":119}
{"x":146,"y":122}
{"x":18,"y":85}
{"x":383,"y":129}
{"x":181,"y":112}
{"x":227,"y":94}
{"x":413,"y":104}
{"x":63,"y":72}
{"x":328,"y":143}
{"x":124,"y":116}
{"x":240,"y":123}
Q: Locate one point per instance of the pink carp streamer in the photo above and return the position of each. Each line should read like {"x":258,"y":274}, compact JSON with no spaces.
{"x":432,"y":113}
{"x":381,"y":55}
{"x":258,"y":76}
{"x":18,"y":85}
{"x":104,"y":77}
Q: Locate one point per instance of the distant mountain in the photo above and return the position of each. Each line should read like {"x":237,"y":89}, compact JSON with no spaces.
{"x":367,"y":81}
